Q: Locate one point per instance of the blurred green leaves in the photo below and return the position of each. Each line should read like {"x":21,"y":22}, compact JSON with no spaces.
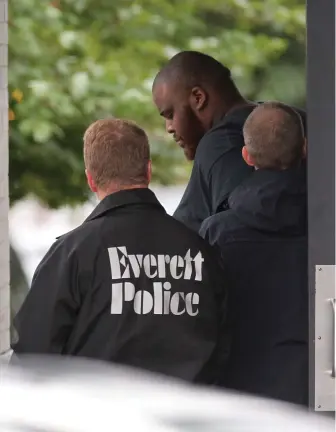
{"x":76,"y":61}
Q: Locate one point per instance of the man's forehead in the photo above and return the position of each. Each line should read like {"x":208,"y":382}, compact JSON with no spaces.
{"x":160,"y":89}
{"x":169,"y":93}
{"x":163,"y":95}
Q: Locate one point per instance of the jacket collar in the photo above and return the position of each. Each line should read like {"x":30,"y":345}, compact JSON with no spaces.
{"x":235,"y":117}
{"x":124,"y":198}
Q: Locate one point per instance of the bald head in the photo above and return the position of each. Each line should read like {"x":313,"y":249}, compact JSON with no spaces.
{"x":191,"y":92}
{"x":274,"y":136}
{"x":193,"y":68}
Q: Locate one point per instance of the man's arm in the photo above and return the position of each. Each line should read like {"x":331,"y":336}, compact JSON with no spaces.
{"x":47,"y":316}
{"x":228,"y":172}
{"x":205,"y":228}
{"x":219,"y":157}
{"x":212,"y":227}
{"x":218,"y":169}
{"x":195,"y":204}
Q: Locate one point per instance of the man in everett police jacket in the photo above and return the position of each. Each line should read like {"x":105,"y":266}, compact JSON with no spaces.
{"x":263,"y":239}
{"x":130,"y":285}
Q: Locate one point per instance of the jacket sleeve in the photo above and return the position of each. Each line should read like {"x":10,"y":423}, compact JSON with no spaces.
{"x":47,"y":316}
{"x":211,"y":228}
{"x":219,"y":156}
{"x":228,"y":172}
{"x":195,"y":205}
{"x":204,"y":229}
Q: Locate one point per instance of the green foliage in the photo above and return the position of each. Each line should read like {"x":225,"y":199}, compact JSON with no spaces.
{"x":76,"y":61}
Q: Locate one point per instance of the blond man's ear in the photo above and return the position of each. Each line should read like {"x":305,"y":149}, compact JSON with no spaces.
{"x":149,"y":171}
{"x":91,"y":182}
{"x":246,"y":156}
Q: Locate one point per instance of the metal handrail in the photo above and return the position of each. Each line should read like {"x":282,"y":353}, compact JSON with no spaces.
{"x":333,"y":301}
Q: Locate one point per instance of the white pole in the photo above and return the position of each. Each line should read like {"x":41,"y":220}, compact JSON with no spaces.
{"x":4,"y":199}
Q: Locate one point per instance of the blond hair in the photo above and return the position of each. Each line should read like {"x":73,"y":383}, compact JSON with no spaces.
{"x":116,"y":151}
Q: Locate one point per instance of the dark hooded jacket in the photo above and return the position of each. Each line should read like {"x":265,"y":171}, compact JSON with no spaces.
{"x":263,"y":239}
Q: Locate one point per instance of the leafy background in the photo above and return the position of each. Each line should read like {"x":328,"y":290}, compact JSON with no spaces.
{"x":74,"y":61}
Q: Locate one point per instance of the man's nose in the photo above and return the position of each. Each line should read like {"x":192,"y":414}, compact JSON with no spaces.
{"x":169,"y":127}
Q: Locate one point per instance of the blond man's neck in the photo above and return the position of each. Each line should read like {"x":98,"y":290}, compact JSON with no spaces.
{"x":111,"y":189}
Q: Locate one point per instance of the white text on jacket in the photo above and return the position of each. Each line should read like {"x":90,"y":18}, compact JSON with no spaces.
{"x":161,"y":301}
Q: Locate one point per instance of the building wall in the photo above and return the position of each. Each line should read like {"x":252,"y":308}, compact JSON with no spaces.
{"x":4,"y":205}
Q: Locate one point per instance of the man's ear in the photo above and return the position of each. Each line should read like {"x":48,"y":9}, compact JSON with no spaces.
{"x":198,"y":99}
{"x":246,"y":156}
{"x":149,"y":171}
{"x":91,"y":182}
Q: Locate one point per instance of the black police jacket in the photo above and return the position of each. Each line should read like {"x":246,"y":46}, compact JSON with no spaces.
{"x":263,"y":239}
{"x":130,"y":285}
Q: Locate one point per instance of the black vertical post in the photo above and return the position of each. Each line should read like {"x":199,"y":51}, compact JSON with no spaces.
{"x":321,"y":148}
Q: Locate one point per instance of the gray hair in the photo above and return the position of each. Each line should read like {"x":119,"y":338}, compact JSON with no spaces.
{"x":274,"y":136}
